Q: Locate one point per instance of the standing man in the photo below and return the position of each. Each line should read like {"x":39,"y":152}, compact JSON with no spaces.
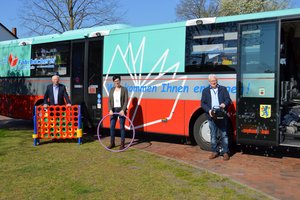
{"x":213,"y":96}
{"x":56,"y":93}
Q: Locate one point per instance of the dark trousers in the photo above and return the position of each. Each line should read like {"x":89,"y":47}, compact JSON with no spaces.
{"x":113,"y":120}
{"x":215,"y":127}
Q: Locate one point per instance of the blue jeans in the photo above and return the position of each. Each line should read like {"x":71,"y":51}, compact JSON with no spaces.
{"x":113,"y":120}
{"x":215,"y":127}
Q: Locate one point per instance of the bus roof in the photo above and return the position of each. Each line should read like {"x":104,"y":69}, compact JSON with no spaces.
{"x":149,"y":27}
{"x":68,"y":35}
{"x":245,"y":17}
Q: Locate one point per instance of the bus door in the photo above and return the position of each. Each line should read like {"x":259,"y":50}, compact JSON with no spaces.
{"x":257,"y":98}
{"x":77,"y":73}
{"x":93,"y":80}
{"x":86,"y":79}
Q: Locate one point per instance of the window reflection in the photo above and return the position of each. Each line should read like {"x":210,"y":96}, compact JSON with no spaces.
{"x":211,"y":47}
{"x":49,"y":59}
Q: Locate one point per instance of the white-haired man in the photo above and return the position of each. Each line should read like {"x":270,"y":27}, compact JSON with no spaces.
{"x":214,"y":96}
{"x":56,"y":93}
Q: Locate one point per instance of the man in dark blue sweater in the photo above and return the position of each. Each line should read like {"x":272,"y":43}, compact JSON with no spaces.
{"x":216,"y":96}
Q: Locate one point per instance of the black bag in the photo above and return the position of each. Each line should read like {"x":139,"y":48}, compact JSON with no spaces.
{"x":219,"y":113}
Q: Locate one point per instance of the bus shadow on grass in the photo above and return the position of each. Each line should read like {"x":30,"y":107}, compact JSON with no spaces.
{"x":16,"y":124}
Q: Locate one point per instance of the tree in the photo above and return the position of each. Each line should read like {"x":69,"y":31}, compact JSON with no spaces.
{"x":233,"y":7}
{"x":57,"y":16}
{"x":191,"y":9}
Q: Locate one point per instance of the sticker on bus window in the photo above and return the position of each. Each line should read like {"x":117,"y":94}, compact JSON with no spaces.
{"x":92,"y":89}
{"x":265,"y":111}
{"x":262,"y":91}
{"x":78,"y":86}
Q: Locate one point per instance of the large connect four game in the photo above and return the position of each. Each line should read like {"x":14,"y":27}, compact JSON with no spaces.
{"x":57,"y":122}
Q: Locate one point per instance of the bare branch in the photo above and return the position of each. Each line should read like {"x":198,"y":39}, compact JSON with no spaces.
{"x":57,"y":16}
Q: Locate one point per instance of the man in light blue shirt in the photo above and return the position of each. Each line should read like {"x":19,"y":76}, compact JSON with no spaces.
{"x":213,"y":96}
{"x":56,"y":93}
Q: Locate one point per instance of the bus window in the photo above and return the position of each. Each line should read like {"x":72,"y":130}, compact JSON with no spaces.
{"x":258,"y":48}
{"x":258,"y":67}
{"x":49,"y":59}
{"x":211,"y":47}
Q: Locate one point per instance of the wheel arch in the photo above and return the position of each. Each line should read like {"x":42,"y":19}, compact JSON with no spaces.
{"x":192,"y":122}
{"x":38,"y":102}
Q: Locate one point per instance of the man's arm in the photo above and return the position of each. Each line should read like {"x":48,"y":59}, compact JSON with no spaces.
{"x":66,"y":96}
{"x":226,"y":98}
{"x":204,"y":101}
{"x":110,"y":99}
{"x":125,"y":99}
{"x":46,"y":96}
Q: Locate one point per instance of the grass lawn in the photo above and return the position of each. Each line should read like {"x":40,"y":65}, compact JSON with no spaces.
{"x":66,"y":170}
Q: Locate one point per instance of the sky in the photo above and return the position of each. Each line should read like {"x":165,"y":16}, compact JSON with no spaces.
{"x":138,"y":13}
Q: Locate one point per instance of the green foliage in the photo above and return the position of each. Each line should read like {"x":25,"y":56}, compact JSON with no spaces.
{"x":66,"y":170}
{"x":234,"y":7}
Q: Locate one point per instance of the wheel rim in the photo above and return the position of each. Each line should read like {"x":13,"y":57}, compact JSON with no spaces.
{"x":205,"y":131}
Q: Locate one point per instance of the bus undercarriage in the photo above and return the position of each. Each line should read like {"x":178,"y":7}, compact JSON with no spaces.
{"x":290,"y":84}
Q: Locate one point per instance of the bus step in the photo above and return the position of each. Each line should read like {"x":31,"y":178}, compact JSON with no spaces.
{"x":295,"y":135}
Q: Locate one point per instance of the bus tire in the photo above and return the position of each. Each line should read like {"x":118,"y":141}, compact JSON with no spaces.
{"x":201,"y":132}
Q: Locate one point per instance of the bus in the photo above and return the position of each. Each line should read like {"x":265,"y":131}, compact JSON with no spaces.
{"x":165,"y":69}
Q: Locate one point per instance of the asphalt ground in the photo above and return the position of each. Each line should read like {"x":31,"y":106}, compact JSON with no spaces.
{"x":273,"y":171}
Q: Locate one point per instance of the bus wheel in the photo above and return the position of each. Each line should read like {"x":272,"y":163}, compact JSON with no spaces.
{"x":202,"y":132}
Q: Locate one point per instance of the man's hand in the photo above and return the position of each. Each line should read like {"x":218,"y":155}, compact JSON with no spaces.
{"x":69,"y":104}
{"x":210,"y":113}
{"x":111,"y":112}
{"x":45,"y":105}
{"x":222,"y":105}
{"x":121,"y":113}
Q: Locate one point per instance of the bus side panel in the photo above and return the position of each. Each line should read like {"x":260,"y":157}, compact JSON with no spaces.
{"x":137,"y":112}
{"x":17,"y":106}
{"x":164,"y":115}
{"x":168,"y":105}
{"x":137,"y":121}
{"x":154,"y":115}
{"x":191,"y":106}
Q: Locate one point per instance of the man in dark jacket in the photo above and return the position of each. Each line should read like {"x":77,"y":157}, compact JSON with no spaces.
{"x":56,"y":93}
{"x":216,"y":96}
